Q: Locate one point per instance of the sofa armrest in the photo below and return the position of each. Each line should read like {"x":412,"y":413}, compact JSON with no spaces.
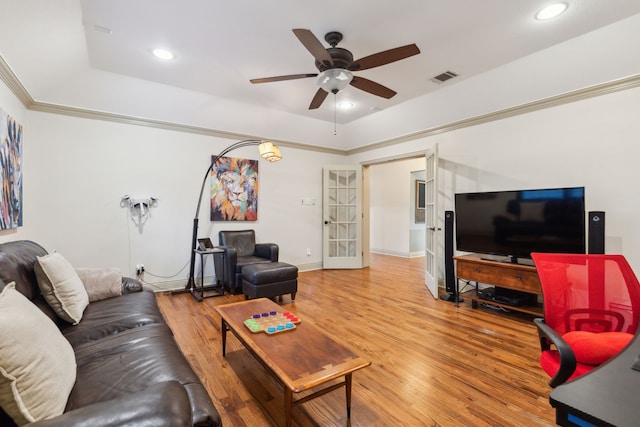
{"x":267,"y":250}
{"x":130,"y":285}
{"x":548,"y":336}
{"x":163,"y":404}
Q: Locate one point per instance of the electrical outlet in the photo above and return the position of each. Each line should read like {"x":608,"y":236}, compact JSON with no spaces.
{"x":139,"y":269}
{"x":308,"y":251}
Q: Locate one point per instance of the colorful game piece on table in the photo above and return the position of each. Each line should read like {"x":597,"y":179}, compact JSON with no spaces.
{"x":272,"y":322}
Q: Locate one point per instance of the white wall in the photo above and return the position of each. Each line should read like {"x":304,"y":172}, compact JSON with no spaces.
{"x":417,"y":230}
{"x":591,"y":143}
{"x":77,"y":170}
{"x":391,"y":200}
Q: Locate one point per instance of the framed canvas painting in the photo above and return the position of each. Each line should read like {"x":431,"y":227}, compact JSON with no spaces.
{"x":234,"y":190}
{"x":10,"y":172}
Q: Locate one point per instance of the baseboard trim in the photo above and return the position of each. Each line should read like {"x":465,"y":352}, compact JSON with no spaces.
{"x":310,"y":267}
{"x":172,"y":285}
{"x":391,"y":253}
{"x":175,"y":285}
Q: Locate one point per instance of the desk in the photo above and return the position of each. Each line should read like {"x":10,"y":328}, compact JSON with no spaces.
{"x":606,"y":396}
{"x":216,"y":289}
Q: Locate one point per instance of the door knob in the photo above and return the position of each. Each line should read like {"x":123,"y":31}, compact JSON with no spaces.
{"x":327,"y":222}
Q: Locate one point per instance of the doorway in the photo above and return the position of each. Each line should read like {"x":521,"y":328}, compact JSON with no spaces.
{"x":392,"y":215}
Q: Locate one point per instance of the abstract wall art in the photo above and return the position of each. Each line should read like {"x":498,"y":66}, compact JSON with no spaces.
{"x":10,"y":172}
{"x":234,"y":190}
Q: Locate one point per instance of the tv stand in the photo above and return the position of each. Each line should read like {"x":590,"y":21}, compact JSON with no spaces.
{"x":476,"y":268}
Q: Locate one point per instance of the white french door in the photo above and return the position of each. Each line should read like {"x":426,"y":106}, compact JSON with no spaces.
{"x":431,"y":221}
{"x":342,"y":217}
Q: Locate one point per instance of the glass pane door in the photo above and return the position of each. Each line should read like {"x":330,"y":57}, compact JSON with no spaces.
{"x":342,"y":217}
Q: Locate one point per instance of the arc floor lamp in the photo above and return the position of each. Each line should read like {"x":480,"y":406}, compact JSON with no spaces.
{"x":268,"y":151}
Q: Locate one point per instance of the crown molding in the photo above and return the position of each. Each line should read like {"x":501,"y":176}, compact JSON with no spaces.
{"x":566,"y":98}
{"x":165,"y":125}
{"x":15,"y":85}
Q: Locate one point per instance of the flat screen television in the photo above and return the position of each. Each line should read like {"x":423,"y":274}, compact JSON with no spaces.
{"x":515,"y":223}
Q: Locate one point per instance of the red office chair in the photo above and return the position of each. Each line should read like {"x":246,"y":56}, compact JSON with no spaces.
{"x":591,"y":311}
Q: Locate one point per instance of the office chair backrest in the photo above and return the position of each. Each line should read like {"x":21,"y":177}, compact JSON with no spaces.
{"x":587,"y":292}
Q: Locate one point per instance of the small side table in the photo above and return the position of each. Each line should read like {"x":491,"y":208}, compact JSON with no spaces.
{"x":214,"y":289}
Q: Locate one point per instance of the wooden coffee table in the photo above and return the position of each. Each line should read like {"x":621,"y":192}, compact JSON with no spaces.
{"x":301,"y":359}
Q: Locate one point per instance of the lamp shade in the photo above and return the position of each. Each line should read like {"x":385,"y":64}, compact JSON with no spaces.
{"x":275,"y":155}
{"x":266,"y":149}
{"x":334,"y":79}
{"x":269,"y":152}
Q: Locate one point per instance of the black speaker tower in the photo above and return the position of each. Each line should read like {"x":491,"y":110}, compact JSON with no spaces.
{"x":596,"y":232}
{"x":451,"y":284}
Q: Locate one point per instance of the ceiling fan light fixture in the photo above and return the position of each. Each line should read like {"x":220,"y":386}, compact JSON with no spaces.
{"x":336,"y":63}
{"x":334,"y":79}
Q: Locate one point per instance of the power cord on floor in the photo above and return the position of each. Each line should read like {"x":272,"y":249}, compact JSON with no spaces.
{"x":168,"y":277}
{"x":140,"y":277}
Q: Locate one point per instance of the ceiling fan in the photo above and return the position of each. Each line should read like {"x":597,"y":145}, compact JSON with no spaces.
{"x":336,"y":65}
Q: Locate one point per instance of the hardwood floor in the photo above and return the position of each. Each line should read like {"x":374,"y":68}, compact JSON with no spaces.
{"x":432,"y":363}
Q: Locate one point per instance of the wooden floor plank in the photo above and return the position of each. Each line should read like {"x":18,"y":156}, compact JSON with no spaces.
{"x":432,"y":363}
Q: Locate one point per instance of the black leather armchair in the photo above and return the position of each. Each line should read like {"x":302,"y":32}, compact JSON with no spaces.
{"x":241,"y":249}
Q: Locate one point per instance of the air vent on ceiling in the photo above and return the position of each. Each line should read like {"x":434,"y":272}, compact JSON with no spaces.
{"x":441,"y":78}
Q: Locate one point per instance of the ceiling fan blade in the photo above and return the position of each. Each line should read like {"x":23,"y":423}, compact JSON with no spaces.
{"x":384,"y":57}
{"x":281,"y":78}
{"x":314,"y":46}
{"x":372,"y":87}
{"x":318,"y":99}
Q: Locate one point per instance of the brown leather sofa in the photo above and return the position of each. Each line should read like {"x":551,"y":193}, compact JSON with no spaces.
{"x":130,"y":370}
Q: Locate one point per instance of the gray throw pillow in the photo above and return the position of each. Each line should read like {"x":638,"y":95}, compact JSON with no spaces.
{"x":101,"y":283}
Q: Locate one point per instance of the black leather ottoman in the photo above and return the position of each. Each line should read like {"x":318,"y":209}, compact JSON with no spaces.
{"x":269,"y":280}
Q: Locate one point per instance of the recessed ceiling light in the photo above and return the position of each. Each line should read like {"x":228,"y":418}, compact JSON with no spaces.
{"x":163,"y":53}
{"x":551,"y":11}
{"x":345,"y":105}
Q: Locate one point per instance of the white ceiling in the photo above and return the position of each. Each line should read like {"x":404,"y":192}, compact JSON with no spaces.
{"x":221,"y":45}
